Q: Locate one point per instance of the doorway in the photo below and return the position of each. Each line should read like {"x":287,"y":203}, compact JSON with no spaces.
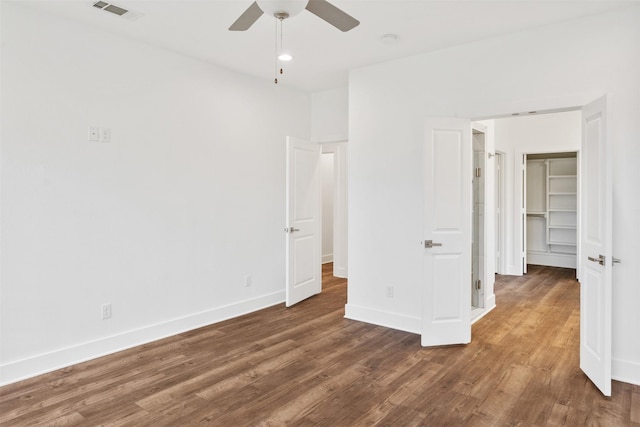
{"x":478,"y":223}
{"x":523,"y":143}
{"x":327,"y":178}
{"x":550,"y":202}
{"x":499,"y":198}
{"x":333,"y":166}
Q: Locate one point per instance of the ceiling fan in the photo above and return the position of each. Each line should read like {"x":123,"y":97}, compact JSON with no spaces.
{"x":286,"y":8}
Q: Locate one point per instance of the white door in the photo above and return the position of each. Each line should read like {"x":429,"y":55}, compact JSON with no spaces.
{"x":446,"y":301}
{"x":595,"y":247}
{"x":304,"y":239}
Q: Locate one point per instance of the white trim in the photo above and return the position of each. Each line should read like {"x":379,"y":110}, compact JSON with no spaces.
{"x":491,"y":302}
{"x":40,"y":364}
{"x":625,"y":371}
{"x":551,"y":259}
{"x":339,"y":272}
{"x":383,"y":318}
{"x":501,"y":224}
{"x":329,"y":139}
{"x":327,"y":258}
{"x":485,"y":311}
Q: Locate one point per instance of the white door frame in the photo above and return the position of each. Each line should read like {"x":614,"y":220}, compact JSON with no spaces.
{"x":489,"y":266}
{"x":499,"y":198}
{"x":524,"y":201}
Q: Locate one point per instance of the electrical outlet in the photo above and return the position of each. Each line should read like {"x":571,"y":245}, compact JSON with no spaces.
{"x":106,"y":311}
{"x":389,"y":291}
{"x":94,"y":132}
{"x":247,"y":280}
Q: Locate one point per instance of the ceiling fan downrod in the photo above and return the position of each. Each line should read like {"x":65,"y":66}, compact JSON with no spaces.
{"x":280,"y":16}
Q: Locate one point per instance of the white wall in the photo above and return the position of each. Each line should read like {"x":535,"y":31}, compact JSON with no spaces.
{"x":164,"y":222}
{"x":515,"y":136}
{"x":330,"y":120}
{"x":557,"y":66}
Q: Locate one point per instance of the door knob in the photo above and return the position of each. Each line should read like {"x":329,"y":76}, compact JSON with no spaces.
{"x":600,"y":260}
{"x":431,"y":243}
{"x":291,"y":230}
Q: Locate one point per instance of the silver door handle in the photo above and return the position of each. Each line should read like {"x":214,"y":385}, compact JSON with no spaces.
{"x":430,"y":244}
{"x":600,"y":260}
{"x":291,"y":230}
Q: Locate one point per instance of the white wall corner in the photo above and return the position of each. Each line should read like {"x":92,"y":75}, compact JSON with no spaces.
{"x":43,"y":363}
{"x":383,"y":318}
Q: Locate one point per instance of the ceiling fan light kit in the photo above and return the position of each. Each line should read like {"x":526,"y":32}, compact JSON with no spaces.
{"x":290,"y":7}
{"x":283,"y":9}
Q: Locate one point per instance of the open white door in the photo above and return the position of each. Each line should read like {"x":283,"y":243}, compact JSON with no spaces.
{"x":446,"y":304}
{"x":303,"y":248}
{"x":595,"y":247}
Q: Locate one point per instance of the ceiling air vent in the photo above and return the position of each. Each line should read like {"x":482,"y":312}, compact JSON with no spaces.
{"x":110,"y":8}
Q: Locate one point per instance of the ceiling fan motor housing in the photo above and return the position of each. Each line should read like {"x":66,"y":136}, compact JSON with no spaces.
{"x":279,"y":8}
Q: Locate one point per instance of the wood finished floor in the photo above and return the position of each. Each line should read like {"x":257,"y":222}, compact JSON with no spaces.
{"x":308,"y":366}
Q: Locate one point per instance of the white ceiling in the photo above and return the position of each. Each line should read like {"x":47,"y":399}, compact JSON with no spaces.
{"x":322,"y":54}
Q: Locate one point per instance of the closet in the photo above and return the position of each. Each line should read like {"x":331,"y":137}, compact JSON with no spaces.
{"x":551,"y":209}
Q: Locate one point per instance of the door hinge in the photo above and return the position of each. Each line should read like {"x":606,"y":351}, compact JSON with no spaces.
{"x":478,"y":172}
{"x":478,"y":284}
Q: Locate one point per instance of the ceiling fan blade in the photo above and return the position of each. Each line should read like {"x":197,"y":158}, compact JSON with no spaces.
{"x":247,"y":19}
{"x":334,"y":16}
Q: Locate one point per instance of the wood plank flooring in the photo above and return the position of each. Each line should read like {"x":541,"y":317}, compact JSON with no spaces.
{"x":308,"y":366}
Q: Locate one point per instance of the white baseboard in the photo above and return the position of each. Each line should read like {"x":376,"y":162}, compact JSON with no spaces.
{"x":340,"y":272}
{"x":552,"y":259}
{"x":383,"y":318}
{"x":491,"y":304}
{"x":40,"y":364}
{"x":327,"y":258}
{"x":625,"y":371}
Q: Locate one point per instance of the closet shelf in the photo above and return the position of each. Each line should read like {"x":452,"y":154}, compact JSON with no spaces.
{"x":565,"y":227}
{"x":563,"y":176}
{"x":553,"y":242}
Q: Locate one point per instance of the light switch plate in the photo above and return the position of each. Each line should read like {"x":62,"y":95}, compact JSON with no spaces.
{"x":105,"y":134}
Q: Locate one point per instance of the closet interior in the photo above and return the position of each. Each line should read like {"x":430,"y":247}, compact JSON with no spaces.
{"x":551,"y":209}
